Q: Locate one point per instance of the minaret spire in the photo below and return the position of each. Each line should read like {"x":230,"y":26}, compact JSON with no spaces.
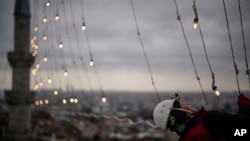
{"x":20,"y":98}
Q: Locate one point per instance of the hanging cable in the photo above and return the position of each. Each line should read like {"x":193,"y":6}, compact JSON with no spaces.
{"x":190,"y":52}
{"x":103,"y":98}
{"x":144,"y":52}
{"x":244,"y":43}
{"x":214,"y":87}
{"x":231,"y":45}
{"x":84,"y":28}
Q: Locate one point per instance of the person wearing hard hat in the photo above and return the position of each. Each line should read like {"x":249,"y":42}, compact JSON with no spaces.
{"x":201,"y":125}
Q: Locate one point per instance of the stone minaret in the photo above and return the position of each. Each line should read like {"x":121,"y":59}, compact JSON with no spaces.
{"x":20,"y":98}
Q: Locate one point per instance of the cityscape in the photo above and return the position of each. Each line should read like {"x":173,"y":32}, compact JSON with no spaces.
{"x":49,"y":91}
{"x":124,"y":118}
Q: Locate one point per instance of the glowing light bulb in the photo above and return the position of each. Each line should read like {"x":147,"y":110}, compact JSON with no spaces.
{"x":46,"y":101}
{"x":36,"y":28}
{"x":45,"y":59}
{"x":34,"y":53}
{"x":57,"y":17}
{"x":34,"y":71}
{"x":55,"y":92}
{"x":75,"y":100}
{"x":104,"y":99}
{"x":44,"y":37}
{"x":91,"y":62}
{"x":65,"y":73}
{"x":41,"y":102}
{"x":196,"y":23}
{"x":71,"y":100}
{"x":48,"y":3}
{"x":61,"y":45}
{"x":49,"y":80}
{"x":37,"y":103}
{"x":45,"y":19}
{"x":37,"y":66}
{"x":216,"y":90}
{"x":41,"y":83}
{"x":83,"y":26}
{"x":36,"y":87}
{"x":64,"y":101}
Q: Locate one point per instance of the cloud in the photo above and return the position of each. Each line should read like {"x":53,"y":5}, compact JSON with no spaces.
{"x":116,"y":46}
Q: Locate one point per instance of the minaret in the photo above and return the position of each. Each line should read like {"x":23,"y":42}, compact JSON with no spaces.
{"x":20,"y":98}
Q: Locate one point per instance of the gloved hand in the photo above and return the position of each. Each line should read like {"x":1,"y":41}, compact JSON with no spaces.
{"x":243,"y":100}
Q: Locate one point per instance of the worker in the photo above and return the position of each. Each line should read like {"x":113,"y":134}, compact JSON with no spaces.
{"x":201,"y":125}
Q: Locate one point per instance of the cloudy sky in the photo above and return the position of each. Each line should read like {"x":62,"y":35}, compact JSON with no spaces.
{"x":113,"y":41}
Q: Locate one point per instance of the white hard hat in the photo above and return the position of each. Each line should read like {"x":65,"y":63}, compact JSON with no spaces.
{"x":161,"y":112}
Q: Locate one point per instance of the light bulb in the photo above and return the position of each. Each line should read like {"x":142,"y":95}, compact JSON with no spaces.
{"x":34,"y":71}
{"x":44,"y":37}
{"x":48,"y":3}
{"x":216,"y":90}
{"x":83,"y":26}
{"x":104,"y":99}
{"x":41,"y":83}
{"x":91,"y":62}
{"x":45,"y":59}
{"x":71,"y":100}
{"x":41,"y":102}
{"x":196,"y":23}
{"x":45,"y":19}
{"x":65,"y":73}
{"x":64,"y":101}
{"x":57,"y":17}
{"x":55,"y":92}
{"x":75,"y":100}
{"x":36,"y":47}
{"x":49,"y":80}
{"x":37,"y":66}
{"x":37,"y":103}
{"x":36,"y":87}
{"x":61,"y":45}
{"x":34,"y":53}
{"x":36,"y":28}
{"x":46,"y":101}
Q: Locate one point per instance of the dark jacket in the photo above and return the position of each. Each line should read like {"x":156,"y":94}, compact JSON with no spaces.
{"x":215,"y":126}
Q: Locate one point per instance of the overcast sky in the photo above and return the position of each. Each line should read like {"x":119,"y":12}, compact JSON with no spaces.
{"x":117,"y":51}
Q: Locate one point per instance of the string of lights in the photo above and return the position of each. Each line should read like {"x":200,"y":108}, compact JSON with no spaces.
{"x":190,"y":52}
{"x":144,"y":52}
{"x":197,"y":25}
{"x":49,"y":53}
{"x":84,"y":28}
{"x":69,"y":41}
{"x":78,"y":45}
{"x":232,"y":50}
{"x":91,"y":62}
{"x":244,"y":43}
{"x":55,"y":92}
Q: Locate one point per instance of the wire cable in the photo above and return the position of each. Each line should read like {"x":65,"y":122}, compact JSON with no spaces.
{"x":214,"y":87}
{"x":231,"y":45}
{"x":204,"y":46}
{"x":190,"y":52}
{"x":144,"y":52}
{"x":244,"y":43}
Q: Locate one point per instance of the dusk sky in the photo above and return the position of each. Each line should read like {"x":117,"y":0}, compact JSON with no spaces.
{"x":116,"y":49}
